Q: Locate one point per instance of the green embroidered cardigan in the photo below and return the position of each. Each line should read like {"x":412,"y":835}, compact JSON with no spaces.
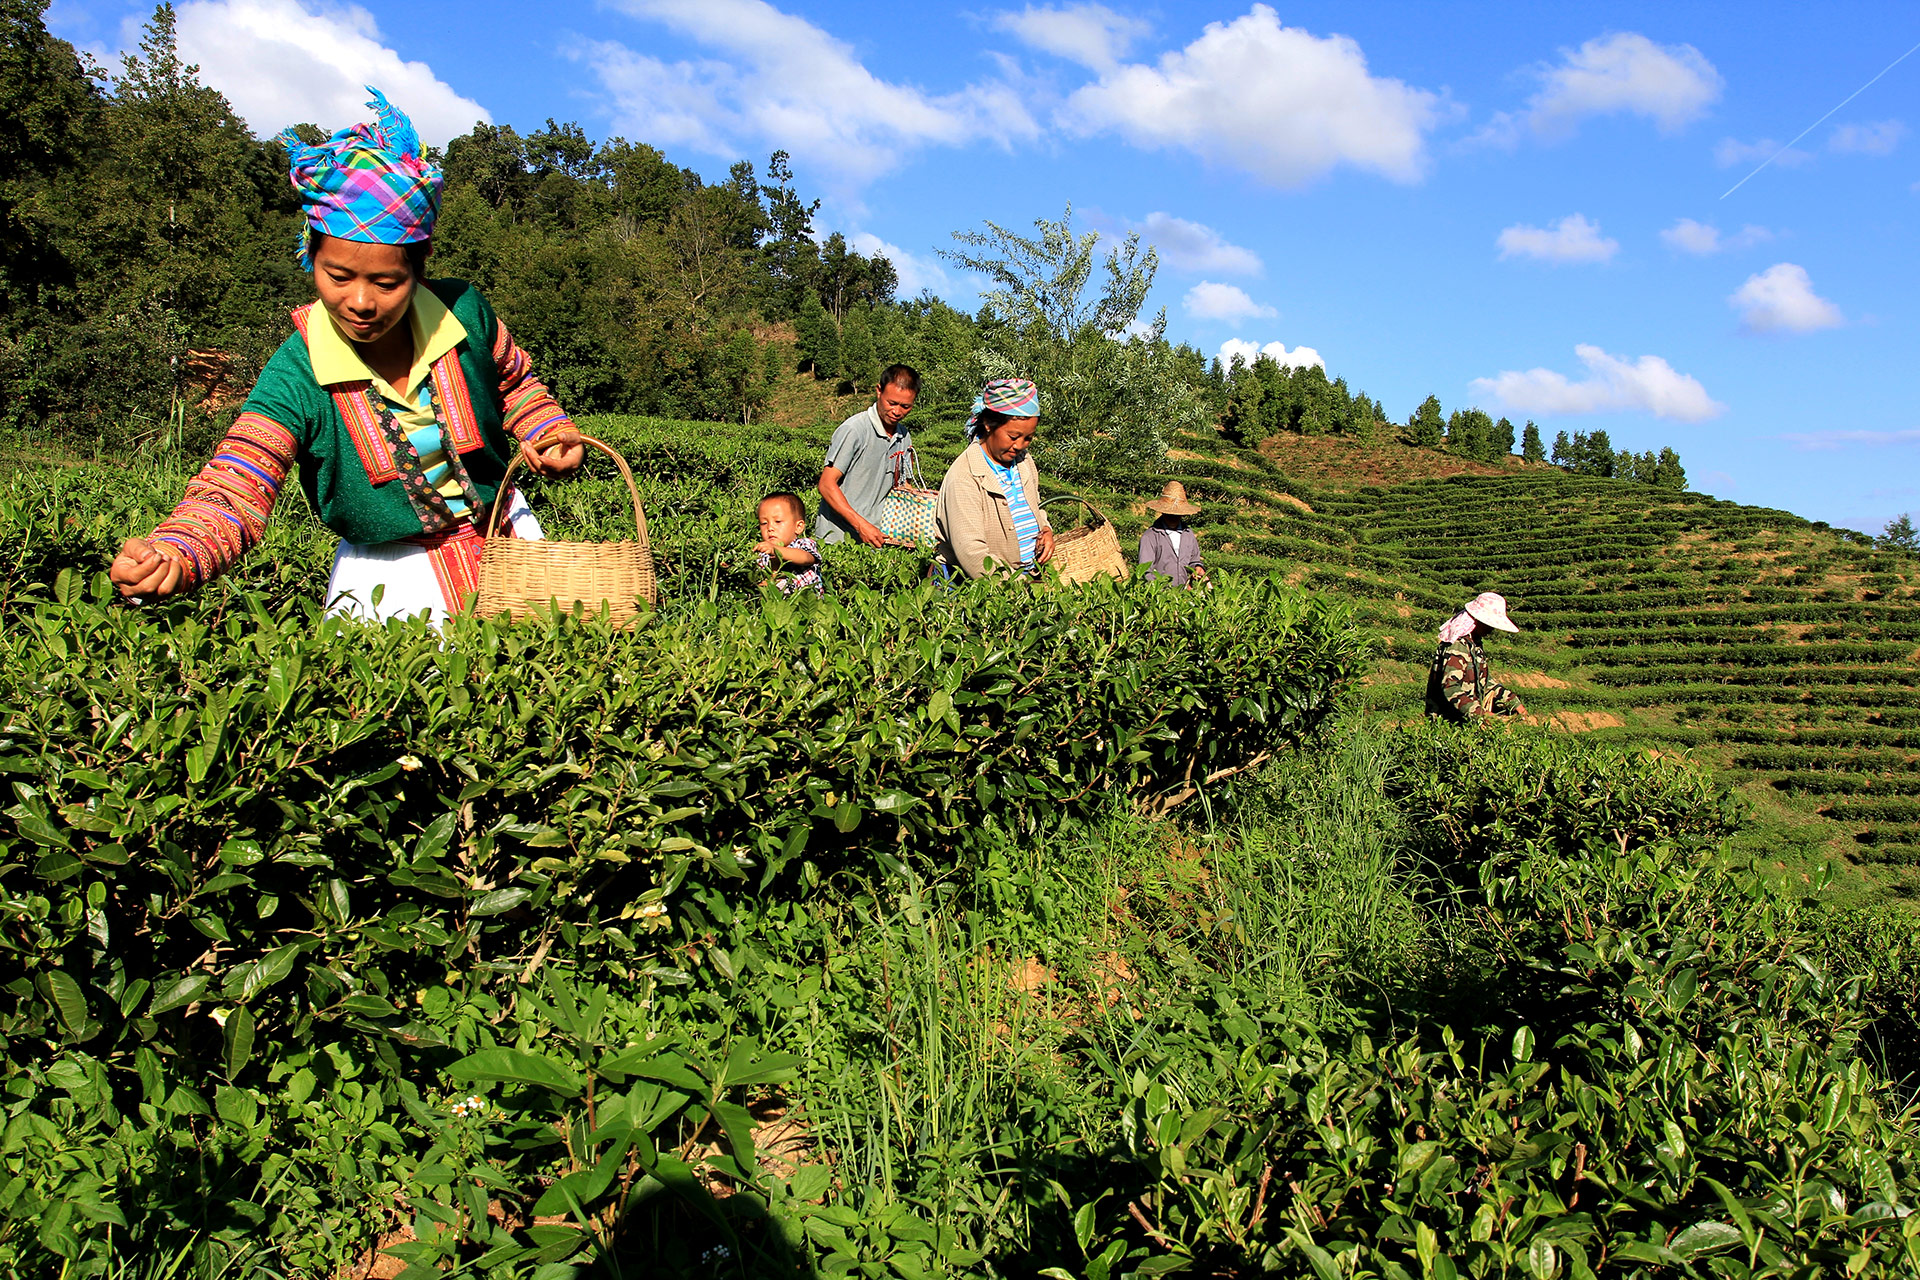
{"x":484,"y":394}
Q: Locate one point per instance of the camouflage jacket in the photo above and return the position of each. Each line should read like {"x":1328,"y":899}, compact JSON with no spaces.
{"x":1460,"y":684}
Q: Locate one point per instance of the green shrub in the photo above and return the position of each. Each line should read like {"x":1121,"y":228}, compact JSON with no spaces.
{"x":1474,"y":789}
{"x":304,"y":824}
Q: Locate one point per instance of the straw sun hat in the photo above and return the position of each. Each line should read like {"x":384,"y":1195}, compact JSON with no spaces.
{"x":1491,"y":608}
{"x":1173,"y":501}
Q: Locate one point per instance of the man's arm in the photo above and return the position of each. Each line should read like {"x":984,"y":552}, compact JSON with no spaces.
{"x":836,"y":498}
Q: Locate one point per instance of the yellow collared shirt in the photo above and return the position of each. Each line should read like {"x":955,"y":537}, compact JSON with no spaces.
{"x":435,"y":332}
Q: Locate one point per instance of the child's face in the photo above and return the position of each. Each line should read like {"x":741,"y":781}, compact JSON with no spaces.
{"x":780,"y":522}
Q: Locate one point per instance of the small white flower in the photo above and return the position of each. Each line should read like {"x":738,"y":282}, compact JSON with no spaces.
{"x":409,"y":763}
{"x":649,"y":909}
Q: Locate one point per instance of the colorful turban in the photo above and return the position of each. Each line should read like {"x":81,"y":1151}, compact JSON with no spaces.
{"x":1012,"y":397}
{"x":367,"y":184}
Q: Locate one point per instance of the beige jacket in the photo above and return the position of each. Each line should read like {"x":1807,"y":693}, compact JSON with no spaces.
{"x":973,"y":519}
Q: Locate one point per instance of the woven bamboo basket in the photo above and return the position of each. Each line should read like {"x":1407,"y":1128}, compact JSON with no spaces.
{"x":519,"y":577}
{"x":1084,"y":554}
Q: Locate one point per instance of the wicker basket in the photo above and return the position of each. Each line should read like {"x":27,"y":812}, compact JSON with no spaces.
{"x":518,"y":577}
{"x":1084,"y":554}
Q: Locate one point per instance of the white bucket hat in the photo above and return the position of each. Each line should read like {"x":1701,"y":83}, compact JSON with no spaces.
{"x":1490,"y":608}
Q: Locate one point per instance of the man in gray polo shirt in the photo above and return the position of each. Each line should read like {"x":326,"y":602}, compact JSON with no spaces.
{"x":866,"y":459}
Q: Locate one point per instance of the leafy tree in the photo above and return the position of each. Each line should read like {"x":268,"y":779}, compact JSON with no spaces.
{"x":1426,"y":428}
{"x":1109,"y":390}
{"x":819,"y":338}
{"x":1470,"y":434}
{"x":1900,"y":534}
{"x":1500,"y":442}
{"x":1667,"y":471}
{"x":859,"y":363}
{"x":1530,"y":447}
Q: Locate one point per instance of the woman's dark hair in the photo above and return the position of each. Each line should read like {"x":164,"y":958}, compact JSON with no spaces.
{"x":416,"y":252}
{"x":989,"y":421}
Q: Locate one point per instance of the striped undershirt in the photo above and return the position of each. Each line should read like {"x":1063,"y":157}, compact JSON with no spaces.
{"x":1026,"y":522}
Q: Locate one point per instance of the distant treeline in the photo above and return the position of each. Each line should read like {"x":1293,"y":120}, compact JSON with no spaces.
{"x":147,"y":269}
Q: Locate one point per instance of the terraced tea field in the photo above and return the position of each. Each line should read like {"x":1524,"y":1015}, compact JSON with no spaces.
{"x":1781,"y":650}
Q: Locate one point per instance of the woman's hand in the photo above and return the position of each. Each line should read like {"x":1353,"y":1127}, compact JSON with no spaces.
{"x":556,"y":457}
{"x":145,"y":569}
{"x":1043,"y":547}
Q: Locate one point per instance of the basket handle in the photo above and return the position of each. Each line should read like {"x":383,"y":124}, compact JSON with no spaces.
{"x":1074,"y":497}
{"x":626,"y":473}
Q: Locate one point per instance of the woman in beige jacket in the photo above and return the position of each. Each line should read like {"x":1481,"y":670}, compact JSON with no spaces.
{"x":990,"y":501}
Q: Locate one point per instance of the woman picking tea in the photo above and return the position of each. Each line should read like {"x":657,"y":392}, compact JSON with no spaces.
{"x":401,"y":399}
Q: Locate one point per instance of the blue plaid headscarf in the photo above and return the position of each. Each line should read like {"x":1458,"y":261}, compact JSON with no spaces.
{"x":1012,"y":397}
{"x":367,"y":183}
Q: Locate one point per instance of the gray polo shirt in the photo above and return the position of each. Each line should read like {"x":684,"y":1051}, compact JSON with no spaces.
{"x":870,"y":462}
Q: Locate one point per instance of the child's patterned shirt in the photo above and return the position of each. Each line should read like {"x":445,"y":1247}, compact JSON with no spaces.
{"x":790,"y":582}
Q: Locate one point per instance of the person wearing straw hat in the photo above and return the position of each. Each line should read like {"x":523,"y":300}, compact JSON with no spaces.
{"x":989,"y":511}
{"x":1460,"y":684}
{"x":1168,"y":549}
{"x":401,"y":400}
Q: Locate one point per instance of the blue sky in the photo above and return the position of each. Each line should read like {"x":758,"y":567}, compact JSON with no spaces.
{"x":1520,"y":207}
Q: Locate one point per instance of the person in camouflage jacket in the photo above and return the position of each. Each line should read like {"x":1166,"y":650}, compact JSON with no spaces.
{"x":1460,"y":684}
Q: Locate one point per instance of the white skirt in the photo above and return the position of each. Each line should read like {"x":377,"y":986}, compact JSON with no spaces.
{"x":403,"y":574}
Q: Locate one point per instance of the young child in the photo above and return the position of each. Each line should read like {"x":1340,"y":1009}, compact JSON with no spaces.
{"x":1168,"y":549}
{"x":783,"y":523}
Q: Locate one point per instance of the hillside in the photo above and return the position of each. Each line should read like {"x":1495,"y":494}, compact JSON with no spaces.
{"x":1781,"y":651}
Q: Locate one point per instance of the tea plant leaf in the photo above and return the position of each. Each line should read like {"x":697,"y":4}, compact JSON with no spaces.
{"x":167,"y":996}
{"x":68,"y":1001}
{"x":517,"y":1066}
{"x":238,"y":1040}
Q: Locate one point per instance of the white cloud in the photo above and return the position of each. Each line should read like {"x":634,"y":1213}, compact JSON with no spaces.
{"x":916,"y":273}
{"x":1209,"y":300}
{"x":1874,"y":138}
{"x":1089,"y":34}
{"x":1614,"y":384}
{"x":1703,"y":238}
{"x":1729,"y":152}
{"x":1781,"y":300}
{"x":783,"y":81}
{"x":1572,"y":239}
{"x":280,"y":63}
{"x":1623,"y":73}
{"x":1829,"y":441}
{"x":1277,"y":102}
{"x":1298,"y":358}
{"x":1190,"y":246}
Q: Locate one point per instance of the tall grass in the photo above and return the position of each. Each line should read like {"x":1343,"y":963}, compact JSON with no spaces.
{"x":990,"y":1011}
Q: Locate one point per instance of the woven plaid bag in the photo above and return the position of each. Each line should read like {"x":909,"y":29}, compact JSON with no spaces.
{"x":907,"y":514}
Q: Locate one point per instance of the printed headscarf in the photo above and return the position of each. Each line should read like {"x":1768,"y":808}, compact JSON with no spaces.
{"x":1014,"y":397}
{"x":368,"y":183}
{"x":1458,"y":627}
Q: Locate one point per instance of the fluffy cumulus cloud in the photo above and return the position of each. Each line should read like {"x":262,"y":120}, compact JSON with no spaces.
{"x":1703,"y":238}
{"x":1623,"y":73}
{"x":1729,"y":152}
{"x":1274,"y":101}
{"x":1614,"y":384}
{"x":1089,"y":34}
{"x":1572,"y":239}
{"x":1781,"y":300}
{"x":280,"y":64}
{"x":917,"y":274}
{"x":1191,"y":246}
{"x":1873,"y":138}
{"x":776,"y":78}
{"x":1298,"y":358}
{"x":1210,"y":300}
